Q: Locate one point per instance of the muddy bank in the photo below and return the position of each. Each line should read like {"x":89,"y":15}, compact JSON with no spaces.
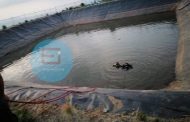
{"x":183,"y":56}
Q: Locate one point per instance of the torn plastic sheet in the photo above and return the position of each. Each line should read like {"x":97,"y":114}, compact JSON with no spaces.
{"x":152,"y":102}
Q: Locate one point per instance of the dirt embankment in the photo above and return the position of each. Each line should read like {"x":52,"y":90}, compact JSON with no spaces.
{"x":183,"y":56}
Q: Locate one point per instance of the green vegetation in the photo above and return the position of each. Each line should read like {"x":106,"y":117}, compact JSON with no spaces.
{"x":82,"y":4}
{"x":4,"y":27}
{"x":24,"y":115}
{"x":106,"y":0}
{"x":156,"y":120}
{"x":141,"y":116}
{"x":26,"y":21}
{"x":76,"y":7}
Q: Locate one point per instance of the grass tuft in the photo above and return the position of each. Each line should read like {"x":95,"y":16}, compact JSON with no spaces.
{"x":141,"y":116}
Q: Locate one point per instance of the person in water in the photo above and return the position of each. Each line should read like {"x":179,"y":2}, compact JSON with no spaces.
{"x":117,"y":65}
{"x":5,"y":113}
{"x":126,"y":66}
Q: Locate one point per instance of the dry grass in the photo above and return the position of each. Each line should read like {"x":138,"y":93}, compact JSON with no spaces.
{"x":68,"y":113}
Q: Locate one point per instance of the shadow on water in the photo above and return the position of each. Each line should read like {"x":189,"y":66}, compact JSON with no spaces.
{"x":113,"y":24}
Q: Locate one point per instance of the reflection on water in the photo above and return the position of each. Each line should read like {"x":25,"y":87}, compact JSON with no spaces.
{"x":150,"y":48}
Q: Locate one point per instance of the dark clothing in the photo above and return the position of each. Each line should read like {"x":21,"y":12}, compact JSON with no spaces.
{"x":5,"y":113}
{"x":125,"y":66}
{"x":1,"y":87}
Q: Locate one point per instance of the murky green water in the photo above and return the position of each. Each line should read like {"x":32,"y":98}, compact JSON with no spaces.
{"x":150,"y":48}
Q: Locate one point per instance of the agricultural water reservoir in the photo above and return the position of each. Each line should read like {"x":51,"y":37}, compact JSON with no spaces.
{"x":151,"y":49}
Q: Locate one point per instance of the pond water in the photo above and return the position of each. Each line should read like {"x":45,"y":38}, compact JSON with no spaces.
{"x":151,"y":49}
